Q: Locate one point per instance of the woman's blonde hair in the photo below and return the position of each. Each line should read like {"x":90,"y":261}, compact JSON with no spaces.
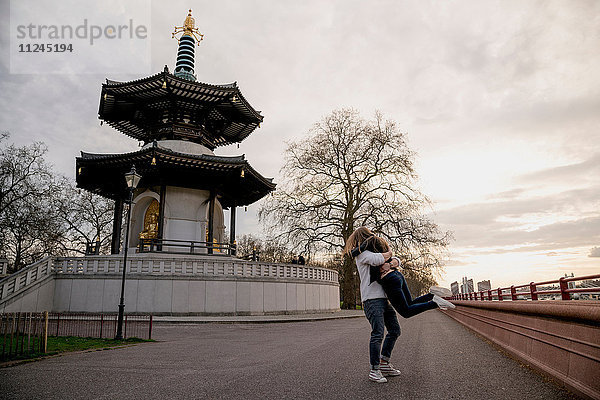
{"x":357,"y":238}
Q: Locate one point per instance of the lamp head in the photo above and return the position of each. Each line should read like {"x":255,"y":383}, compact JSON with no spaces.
{"x":132,"y":178}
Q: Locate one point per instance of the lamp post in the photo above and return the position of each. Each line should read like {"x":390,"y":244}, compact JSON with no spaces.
{"x":132,"y":178}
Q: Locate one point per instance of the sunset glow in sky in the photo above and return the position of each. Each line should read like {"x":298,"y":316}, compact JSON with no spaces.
{"x":499,"y":99}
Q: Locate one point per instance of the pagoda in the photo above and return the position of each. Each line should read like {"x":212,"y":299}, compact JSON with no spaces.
{"x":179,"y":202}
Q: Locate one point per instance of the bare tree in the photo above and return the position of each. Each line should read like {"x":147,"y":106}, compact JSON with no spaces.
{"x":23,"y":172}
{"x":88,"y":219}
{"x":267,"y":250}
{"x":350,"y":172}
{"x":41,"y":213}
{"x":29,"y":227}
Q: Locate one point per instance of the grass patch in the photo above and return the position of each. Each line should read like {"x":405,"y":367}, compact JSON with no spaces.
{"x":62,"y":344}
{"x":70,"y":343}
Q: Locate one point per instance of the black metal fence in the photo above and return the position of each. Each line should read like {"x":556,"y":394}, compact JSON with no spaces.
{"x":23,"y":333}
{"x":26,"y":333}
{"x":99,"y":325}
{"x":185,"y":247}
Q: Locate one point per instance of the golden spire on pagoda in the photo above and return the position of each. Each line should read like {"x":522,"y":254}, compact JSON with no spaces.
{"x":188,"y":29}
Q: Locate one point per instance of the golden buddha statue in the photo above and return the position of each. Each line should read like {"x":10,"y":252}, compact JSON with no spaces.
{"x":150,"y":222}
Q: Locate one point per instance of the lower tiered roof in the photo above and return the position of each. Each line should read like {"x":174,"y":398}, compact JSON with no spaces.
{"x":232,"y":178}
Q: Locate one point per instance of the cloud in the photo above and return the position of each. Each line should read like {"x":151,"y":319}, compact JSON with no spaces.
{"x":594,"y":252}
{"x":522,"y":219}
{"x":455,"y":263}
{"x":589,"y":168}
{"x":487,"y":213}
{"x":501,"y":238}
{"x":507,"y":194}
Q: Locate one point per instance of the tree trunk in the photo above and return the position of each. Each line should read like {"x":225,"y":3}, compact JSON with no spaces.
{"x":349,"y":284}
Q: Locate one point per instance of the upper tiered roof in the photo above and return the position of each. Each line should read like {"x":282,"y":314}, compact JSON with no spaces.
{"x":164,"y":106}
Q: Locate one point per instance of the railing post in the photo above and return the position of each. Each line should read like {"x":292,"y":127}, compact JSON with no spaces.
{"x":532,"y":291}
{"x":45,"y":328}
{"x":38,"y":272}
{"x":563,"y":289}
{"x":499,"y":294}
{"x":489,"y":294}
{"x":513,"y":293}
{"x":101,"y":324}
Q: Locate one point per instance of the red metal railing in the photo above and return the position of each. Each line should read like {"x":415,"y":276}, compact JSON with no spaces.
{"x":532,"y":291}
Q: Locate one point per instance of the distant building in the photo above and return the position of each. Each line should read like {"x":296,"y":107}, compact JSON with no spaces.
{"x":571,"y":284}
{"x":483,"y":286}
{"x":467,"y":285}
{"x":455,"y":289}
{"x":589,"y":284}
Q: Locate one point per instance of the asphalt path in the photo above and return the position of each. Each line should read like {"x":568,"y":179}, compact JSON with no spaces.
{"x":438,"y":357}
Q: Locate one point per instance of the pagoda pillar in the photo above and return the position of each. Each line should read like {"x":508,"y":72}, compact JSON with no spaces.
{"x":117,"y":226}
{"x":211,"y":221}
{"x":161,"y":214}
{"x":232,"y":231}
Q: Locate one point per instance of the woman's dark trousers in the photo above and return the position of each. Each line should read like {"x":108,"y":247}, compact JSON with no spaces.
{"x":396,"y":289}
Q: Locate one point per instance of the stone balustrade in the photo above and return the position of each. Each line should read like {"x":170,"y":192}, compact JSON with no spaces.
{"x":170,"y":284}
{"x":26,"y":277}
{"x":193,"y":266}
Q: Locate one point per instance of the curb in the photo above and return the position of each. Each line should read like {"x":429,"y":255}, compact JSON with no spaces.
{"x":245,"y":320}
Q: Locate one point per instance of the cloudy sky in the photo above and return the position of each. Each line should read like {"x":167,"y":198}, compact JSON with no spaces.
{"x":500,"y":100}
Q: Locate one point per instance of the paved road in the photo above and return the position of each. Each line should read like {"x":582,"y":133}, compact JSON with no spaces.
{"x":439,"y":359}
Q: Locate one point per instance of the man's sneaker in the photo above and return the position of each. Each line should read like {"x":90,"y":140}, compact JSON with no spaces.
{"x":440,"y":291}
{"x":376,"y":376}
{"x":387,"y":369}
{"x":443,"y":304}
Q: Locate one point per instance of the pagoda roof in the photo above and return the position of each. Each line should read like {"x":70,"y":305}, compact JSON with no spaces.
{"x":103,"y":174}
{"x":151,"y":108}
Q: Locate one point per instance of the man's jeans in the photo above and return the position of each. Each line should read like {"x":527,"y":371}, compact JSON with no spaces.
{"x":381,"y":315}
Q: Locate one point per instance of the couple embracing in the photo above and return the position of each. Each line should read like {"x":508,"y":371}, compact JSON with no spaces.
{"x":381,"y":283}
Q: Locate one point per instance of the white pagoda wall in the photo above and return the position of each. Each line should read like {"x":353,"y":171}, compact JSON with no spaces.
{"x":185,"y":296}
{"x":186,"y":215}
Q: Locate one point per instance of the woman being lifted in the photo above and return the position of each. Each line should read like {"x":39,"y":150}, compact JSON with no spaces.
{"x":380,"y":281}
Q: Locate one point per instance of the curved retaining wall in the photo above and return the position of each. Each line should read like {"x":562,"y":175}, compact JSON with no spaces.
{"x":558,"y":338}
{"x":175,"y":285}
